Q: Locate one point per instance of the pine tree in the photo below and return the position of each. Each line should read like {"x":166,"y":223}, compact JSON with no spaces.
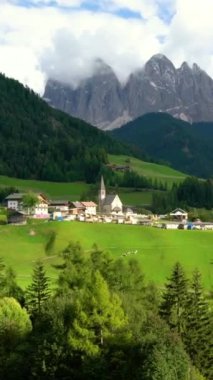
{"x":38,"y":292}
{"x":9,"y":286}
{"x":198,"y":336}
{"x":173,"y":306}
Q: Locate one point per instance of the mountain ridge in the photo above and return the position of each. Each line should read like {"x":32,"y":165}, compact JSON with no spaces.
{"x":185,"y":93}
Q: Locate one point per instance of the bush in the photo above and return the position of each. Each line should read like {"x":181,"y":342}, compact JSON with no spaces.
{"x":3,"y":219}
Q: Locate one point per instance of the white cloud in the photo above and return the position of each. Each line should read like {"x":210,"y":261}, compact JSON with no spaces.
{"x":191,"y":34}
{"x":125,"y":46}
{"x":38,"y":42}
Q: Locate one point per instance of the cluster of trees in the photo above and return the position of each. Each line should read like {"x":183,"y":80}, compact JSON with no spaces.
{"x":192,"y":192}
{"x":102,"y":321}
{"x":39,"y":142}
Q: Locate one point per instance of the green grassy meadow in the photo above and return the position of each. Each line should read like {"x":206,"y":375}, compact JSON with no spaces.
{"x":157,"y":250}
{"x":154,"y":171}
{"x":70,"y":191}
{"x":136,"y":198}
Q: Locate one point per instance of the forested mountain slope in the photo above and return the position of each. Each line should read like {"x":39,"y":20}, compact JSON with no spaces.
{"x":39,"y":142}
{"x":186,"y":147}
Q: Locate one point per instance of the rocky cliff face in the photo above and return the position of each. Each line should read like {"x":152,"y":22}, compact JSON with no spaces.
{"x":185,"y":93}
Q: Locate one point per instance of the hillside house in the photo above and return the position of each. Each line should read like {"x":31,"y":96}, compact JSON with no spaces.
{"x":179,"y":215}
{"x":14,"y":201}
{"x":76,"y":208}
{"x":90,"y":208}
{"x":61,"y":206}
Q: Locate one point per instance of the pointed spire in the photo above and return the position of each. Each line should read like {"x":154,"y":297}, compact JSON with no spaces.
{"x":102,"y":194}
{"x":103,"y":188}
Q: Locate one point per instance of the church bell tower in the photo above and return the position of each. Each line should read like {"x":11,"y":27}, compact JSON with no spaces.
{"x":101,"y":194}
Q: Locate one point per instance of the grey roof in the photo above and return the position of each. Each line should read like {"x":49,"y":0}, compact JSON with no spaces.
{"x":15,"y":196}
{"x":109,"y":199}
{"x":77,"y":204}
{"x":178,"y":210}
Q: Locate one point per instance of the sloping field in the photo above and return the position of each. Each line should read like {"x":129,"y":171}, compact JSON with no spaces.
{"x":70,"y":191}
{"x":136,"y":198}
{"x":150,"y":170}
{"x":156,"y":250}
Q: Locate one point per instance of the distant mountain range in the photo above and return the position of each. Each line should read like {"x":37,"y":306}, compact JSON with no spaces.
{"x":184,"y":146}
{"x":185,"y":93}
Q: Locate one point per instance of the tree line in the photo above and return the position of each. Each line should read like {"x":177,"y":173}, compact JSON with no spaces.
{"x":192,"y":192}
{"x":101,"y":320}
{"x":131,"y":179}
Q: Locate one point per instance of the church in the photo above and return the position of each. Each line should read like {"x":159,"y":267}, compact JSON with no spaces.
{"x":108,"y":204}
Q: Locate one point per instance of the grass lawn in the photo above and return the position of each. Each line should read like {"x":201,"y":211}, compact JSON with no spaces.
{"x":163,"y":173}
{"x":136,"y":198}
{"x":70,"y":191}
{"x":157,"y":250}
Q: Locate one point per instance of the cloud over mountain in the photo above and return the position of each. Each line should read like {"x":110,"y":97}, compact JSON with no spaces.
{"x":61,"y":38}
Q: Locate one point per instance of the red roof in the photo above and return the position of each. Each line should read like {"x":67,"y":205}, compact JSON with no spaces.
{"x":89,"y":204}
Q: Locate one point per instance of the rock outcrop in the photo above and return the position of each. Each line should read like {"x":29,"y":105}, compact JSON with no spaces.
{"x":185,"y":93}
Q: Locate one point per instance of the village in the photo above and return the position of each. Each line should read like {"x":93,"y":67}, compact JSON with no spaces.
{"x":109,"y":209}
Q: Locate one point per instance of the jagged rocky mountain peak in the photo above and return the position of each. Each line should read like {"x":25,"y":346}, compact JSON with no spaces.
{"x":102,"y":68}
{"x":100,"y":99}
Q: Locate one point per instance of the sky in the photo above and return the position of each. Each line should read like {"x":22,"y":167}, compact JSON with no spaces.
{"x":61,"y":39}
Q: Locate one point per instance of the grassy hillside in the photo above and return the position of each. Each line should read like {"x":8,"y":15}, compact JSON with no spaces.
{"x":63,"y":190}
{"x":150,"y":170}
{"x":157,"y":250}
{"x":74,"y":190}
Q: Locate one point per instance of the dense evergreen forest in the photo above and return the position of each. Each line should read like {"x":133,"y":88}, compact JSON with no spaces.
{"x":186,"y":147}
{"x":191,"y":193}
{"x":102,"y":321}
{"x":39,"y":142}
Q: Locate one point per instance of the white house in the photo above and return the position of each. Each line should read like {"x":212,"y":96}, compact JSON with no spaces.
{"x":61,"y":206}
{"x":41,"y":208}
{"x":179,"y":214}
{"x":90,"y":207}
{"x":14,"y":201}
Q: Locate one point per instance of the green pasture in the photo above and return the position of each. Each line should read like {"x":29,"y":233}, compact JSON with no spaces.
{"x":162,"y":173}
{"x":157,"y":250}
{"x":136,"y":198}
{"x":70,"y":191}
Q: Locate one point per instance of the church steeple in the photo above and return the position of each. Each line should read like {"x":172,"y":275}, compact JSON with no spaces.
{"x":101,"y":194}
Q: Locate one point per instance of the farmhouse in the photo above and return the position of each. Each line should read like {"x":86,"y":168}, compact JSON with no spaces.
{"x":59,"y":205}
{"x":76,"y":208}
{"x":109,"y":203}
{"x":179,"y":215}
{"x":89,"y":208}
{"x":14,"y":201}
